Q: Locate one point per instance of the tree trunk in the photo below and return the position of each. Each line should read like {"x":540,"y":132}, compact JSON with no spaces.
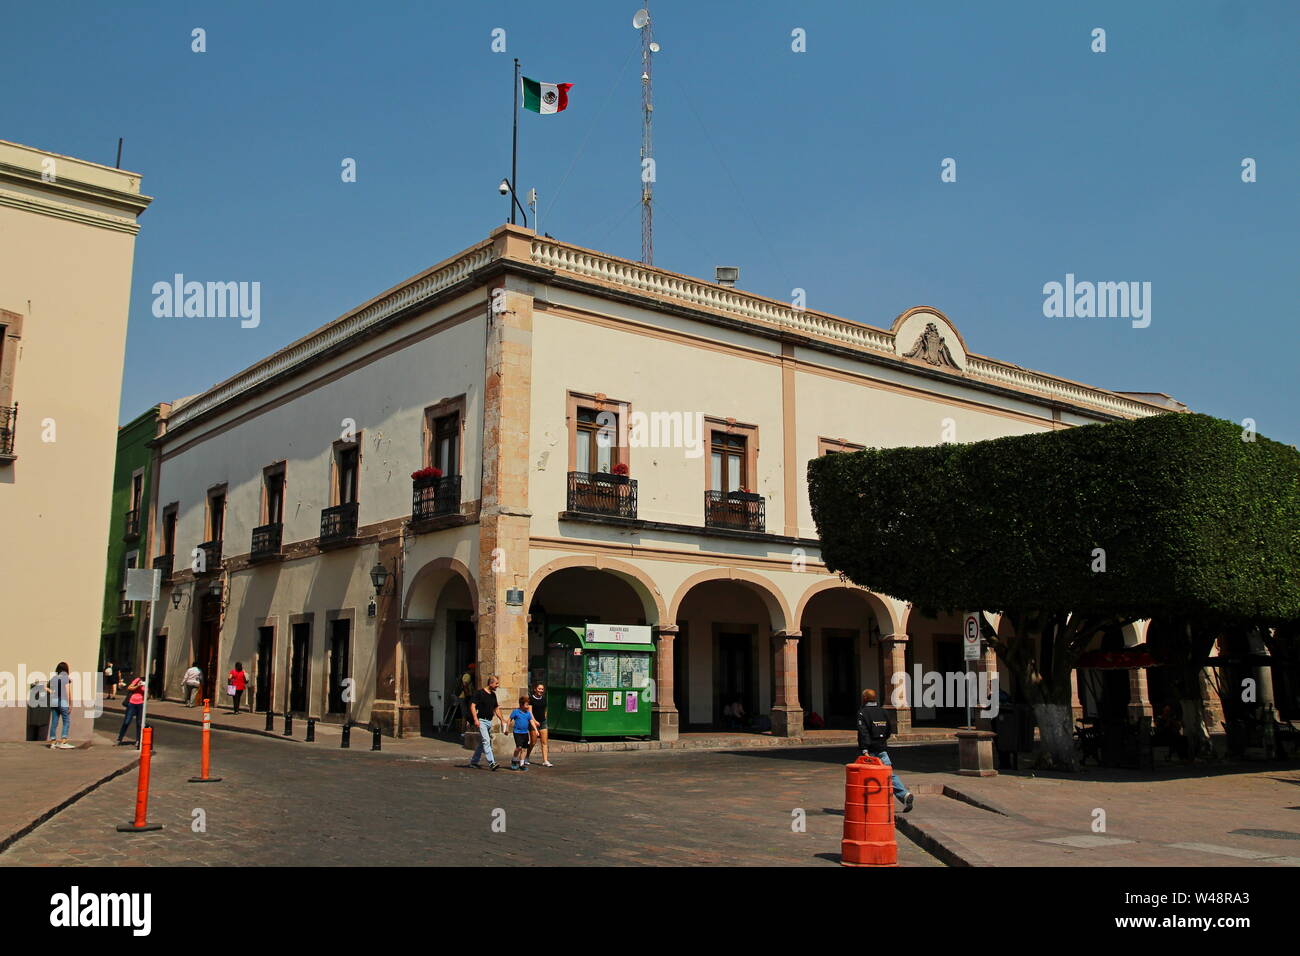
{"x":1056,"y":729}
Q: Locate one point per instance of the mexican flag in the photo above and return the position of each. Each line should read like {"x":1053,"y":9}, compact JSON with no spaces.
{"x":545,"y":97}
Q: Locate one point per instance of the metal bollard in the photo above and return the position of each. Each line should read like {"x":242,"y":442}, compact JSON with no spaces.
{"x":311,"y":730}
{"x":270,"y":721}
{"x":374,"y":745}
{"x":288,"y":724}
{"x":347,"y":736}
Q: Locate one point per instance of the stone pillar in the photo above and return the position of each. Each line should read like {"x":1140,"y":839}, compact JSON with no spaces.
{"x":1139,"y":700}
{"x":1076,"y":705}
{"x":975,"y":753}
{"x":787,"y":717}
{"x":986,"y":670}
{"x":386,"y":712}
{"x":664,"y":718}
{"x":1210,"y":697}
{"x":504,"y":516}
{"x":895,"y":646}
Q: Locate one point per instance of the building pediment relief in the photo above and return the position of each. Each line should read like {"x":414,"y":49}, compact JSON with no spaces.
{"x":926,"y":336}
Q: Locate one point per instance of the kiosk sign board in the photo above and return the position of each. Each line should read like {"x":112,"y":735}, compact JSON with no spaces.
{"x":618,"y":634}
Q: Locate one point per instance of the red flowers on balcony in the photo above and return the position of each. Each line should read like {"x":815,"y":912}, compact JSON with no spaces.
{"x":424,"y":473}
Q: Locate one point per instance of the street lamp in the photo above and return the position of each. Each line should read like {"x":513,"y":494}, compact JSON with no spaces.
{"x":379,"y":577}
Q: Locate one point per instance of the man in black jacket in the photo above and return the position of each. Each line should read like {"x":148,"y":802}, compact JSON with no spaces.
{"x":875,"y":727}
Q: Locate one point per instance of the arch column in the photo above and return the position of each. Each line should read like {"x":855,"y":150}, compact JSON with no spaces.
{"x":664,"y":719}
{"x":1139,"y":698}
{"x":895,"y":647}
{"x":787,"y":716}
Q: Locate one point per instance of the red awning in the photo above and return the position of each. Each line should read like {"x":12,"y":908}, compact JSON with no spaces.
{"x":1127,"y":660}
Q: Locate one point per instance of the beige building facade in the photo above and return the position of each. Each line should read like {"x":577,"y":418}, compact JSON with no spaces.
{"x":67,"y":244}
{"x":616,"y":444}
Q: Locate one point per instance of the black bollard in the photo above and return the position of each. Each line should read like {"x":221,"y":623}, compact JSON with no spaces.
{"x":270,"y":721}
{"x":375,"y":741}
{"x":288,"y":724}
{"x":347,"y":736}
{"x":311,"y":730}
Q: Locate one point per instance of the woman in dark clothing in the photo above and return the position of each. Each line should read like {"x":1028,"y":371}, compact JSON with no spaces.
{"x":537,"y":700}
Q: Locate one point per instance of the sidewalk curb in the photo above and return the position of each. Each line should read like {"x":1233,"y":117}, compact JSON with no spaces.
{"x":271,"y":735}
{"x":938,"y":844}
{"x":8,"y":840}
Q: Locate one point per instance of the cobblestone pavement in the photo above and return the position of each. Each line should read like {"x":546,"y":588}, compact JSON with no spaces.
{"x":282,"y":804}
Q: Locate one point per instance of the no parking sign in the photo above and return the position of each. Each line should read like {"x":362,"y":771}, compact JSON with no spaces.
{"x":971,"y":638}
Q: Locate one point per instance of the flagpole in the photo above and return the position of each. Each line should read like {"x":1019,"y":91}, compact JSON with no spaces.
{"x":514,"y":147}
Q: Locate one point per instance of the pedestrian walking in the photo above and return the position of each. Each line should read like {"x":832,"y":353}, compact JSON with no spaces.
{"x":523,"y":724}
{"x":110,"y":681}
{"x":236,"y":684}
{"x":483,"y":707}
{"x":537,"y":703}
{"x":875,"y":727}
{"x":60,"y":707}
{"x":192,"y":681}
{"x":134,"y":707}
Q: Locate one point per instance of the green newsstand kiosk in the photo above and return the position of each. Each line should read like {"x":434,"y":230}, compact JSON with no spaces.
{"x":600,"y":680}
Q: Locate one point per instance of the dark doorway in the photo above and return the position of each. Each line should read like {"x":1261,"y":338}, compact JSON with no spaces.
{"x":840,"y":659}
{"x":265,"y":668}
{"x":948,"y":660}
{"x":681,"y":674}
{"x":158,"y":667}
{"x":299,"y":668}
{"x":209,"y":643}
{"x":464,"y":651}
{"x":340,"y":666}
{"x":735,"y":673}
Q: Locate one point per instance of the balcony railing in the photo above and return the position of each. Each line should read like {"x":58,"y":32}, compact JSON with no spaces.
{"x":266,"y":541}
{"x":737,"y":510}
{"x":132,"y":524}
{"x":435,"y":497}
{"x":338,"y":524}
{"x":164,"y":564}
{"x":8,"y":425}
{"x":211,"y":556}
{"x":125,"y":608}
{"x":600,"y":493}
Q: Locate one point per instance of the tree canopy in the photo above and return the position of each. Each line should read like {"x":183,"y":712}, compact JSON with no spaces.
{"x":1187,"y":517}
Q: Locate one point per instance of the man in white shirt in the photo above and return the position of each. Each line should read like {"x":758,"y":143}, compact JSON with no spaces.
{"x":192,"y":681}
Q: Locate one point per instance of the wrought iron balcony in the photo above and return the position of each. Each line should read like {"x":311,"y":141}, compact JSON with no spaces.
{"x":737,"y":510}
{"x":164,"y":563}
{"x":8,"y":426}
{"x":338,"y":525}
{"x":266,"y":541}
{"x":211,"y":556}
{"x":601,"y":493}
{"x":132,"y":529}
{"x":435,"y":497}
{"x":125,"y":608}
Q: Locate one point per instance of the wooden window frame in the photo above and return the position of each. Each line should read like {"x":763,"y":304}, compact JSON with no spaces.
{"x":620,"y":452}
{"x":213,"y":492}
{"x":730,"y":426}
{"x":336,"y":497}
{"x":172,"y":512}
{"x":279,"y":468}
{"x":429,"y":434}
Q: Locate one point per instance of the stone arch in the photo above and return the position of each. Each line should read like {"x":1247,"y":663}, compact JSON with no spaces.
{"x":435,"y":568}
{"x":880,"y":606}
{"x":1135,"y":632}
{"x":646,"y":590}
{"x":777,"y":607}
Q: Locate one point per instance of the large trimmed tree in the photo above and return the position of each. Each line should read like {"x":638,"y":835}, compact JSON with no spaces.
{"x":1180,"y":517}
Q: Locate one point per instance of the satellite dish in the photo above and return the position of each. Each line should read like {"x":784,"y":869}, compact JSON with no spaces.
{"x":640,"y":19}
{"x":654,"y":47}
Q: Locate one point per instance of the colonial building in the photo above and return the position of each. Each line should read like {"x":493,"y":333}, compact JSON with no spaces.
{"x":130,"y":542}
{"x":591,"y":440}
{"x":67,"y":242}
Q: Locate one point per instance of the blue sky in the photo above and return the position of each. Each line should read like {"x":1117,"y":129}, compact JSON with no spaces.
{"x":818,"y":170}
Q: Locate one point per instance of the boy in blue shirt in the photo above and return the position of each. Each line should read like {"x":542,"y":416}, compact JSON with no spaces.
{"x":522,"y":722}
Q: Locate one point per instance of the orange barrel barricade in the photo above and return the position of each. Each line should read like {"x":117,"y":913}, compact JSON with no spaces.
{"x":205,"y":760}
{"x":141,"y":821}
{"x":868,"y":815}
